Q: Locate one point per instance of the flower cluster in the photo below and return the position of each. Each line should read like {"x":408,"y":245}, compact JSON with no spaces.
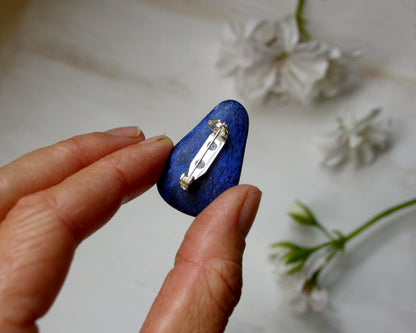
{"x":359,"y":140}
{"x":300,"y":267}
{"x":271,"y":57}
{"x":298,"y":273}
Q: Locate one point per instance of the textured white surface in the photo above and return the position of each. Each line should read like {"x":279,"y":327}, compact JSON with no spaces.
{"x":84,"y":65}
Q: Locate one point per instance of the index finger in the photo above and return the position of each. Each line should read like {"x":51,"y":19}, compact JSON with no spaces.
{"x":48,"y":166}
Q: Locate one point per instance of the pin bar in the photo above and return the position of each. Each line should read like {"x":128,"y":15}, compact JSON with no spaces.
{"x":206,"y":154}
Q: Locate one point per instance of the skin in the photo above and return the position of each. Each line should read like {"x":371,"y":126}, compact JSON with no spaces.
{"x":55,"y":197}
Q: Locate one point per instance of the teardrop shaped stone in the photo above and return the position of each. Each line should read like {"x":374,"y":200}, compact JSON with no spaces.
{"x":222,"y":174}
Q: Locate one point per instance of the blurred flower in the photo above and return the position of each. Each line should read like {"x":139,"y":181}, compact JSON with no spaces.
{"x":244,"y":45}
{"x":299,"y":279}
{"x":303,"y":300}
{"x":247,"y":54}
{"x":299,"y":267}
{"x":359,"y":140}
{"x":340,"y":74}
{"x":270,"y":57}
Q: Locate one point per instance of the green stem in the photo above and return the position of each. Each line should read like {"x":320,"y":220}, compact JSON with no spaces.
{"x":361,"y":228}
{"x":328,"y":259}
{"x":320,"y":246}
{"x":324,"y":230}
{"x":301,"y":22}
{"x":378,"y":217}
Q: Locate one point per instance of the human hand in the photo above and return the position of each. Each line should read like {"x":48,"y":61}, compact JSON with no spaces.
{"x":55,"y":197}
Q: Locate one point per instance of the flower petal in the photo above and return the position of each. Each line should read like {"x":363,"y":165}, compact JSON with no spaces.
{"x":256,"y":82}
{"x":245,"y":45}
{"x":367,"y":154}
{"x":226,"y":62}
{"x":316,"y":262}
{"x":288,"y":33}
{"x":359,"y":140}
{"x":318,"y":299}
{"x":299,"y":75}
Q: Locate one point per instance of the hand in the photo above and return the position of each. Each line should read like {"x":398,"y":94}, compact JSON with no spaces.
{"x":55,"y":197}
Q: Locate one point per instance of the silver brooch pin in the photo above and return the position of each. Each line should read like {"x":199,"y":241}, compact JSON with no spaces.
{"x":206,"y":154}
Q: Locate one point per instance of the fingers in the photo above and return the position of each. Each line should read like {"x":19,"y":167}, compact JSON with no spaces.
{"x":48,"y":166}
{"x":201,"y":291}
{"x":40,"y":233}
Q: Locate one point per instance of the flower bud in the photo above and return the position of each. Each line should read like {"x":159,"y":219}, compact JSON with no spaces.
{"x":302,"y":214}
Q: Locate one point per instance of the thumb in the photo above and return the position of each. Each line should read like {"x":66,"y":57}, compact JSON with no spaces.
{"x":201,"y":291}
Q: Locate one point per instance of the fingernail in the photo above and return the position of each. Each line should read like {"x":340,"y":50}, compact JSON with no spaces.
{"x":154,"y":139}
{"x":128,"y":131}
{"x":249,"y":210}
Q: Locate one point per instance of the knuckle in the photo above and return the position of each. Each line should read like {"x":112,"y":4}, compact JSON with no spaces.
{"x":74,"y":147}
{"x":149,"y":158}
{"x":32,"y":205}
{"x":43,"y":205}
{"x":26,"y":203}
{"x":222,"y":277}
{"x":145,"y":160}
{"x":226,"y":274}
{"x":118,"y":174}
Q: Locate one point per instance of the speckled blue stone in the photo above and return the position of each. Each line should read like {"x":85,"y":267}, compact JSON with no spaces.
{"x":223,"y":173}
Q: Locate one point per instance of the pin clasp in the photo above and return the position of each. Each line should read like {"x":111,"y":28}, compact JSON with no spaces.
{"x":206,"y":154}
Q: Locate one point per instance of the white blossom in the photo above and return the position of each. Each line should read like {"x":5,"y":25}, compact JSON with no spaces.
{"x":302,"y":293}
{"x":244,"y":45}
{"x":302,"y":301}
{"x":340,"y":74}
{"x":300,"y":288}
{"x":269,"y":57}
{"x":358,"y":140}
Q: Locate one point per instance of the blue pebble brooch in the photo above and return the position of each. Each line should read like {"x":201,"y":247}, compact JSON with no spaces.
{"x":207,"y":161}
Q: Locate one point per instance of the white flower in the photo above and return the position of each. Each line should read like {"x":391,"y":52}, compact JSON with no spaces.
{"x":246,"y":53}
{"x":340,"y":73}
{"x":301,"y":289}
{"x":269,"y":57}
{"x":244,"y":45}
{"x":315,"y":263}
{"x":359,"y":140}
{"x":302,"y":301}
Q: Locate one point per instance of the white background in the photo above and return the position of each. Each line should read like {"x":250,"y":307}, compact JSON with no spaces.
{"x":71,"y":66}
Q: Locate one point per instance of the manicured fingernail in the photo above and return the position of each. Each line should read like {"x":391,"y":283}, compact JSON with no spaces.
{"x":155,"y":139}
{"x":128,"y":131}
{"x":249,"y":210}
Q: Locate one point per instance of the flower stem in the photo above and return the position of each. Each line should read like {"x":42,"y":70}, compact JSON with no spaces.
{"x":328,"y":259}
{"x":324,"y":231}
{"x":301,"y":21}
{"x":320,"y":246}
{"x":378,"y":217}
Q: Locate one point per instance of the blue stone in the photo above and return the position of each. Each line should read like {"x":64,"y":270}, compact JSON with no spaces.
{"x":222,"y":174}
